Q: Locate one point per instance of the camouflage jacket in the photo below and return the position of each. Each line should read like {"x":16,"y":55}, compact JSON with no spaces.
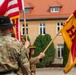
{"x":10,"y":51}
{"x":33,"y":62}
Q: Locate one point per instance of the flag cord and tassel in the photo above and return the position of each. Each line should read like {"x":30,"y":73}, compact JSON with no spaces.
{"x":50,"y":43}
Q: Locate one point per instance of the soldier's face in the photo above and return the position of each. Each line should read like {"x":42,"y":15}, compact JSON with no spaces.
{"x":32,"y":52}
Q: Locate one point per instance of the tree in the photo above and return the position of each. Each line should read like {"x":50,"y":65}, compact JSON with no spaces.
{"x":41,"y":42}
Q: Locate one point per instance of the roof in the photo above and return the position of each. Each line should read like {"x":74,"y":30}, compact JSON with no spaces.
{"x":40,"y":8}
{"x":56,"y":4}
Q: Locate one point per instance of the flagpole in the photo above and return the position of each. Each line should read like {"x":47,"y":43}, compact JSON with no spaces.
{"x":24,"y":22}
{"x":49,"y":44}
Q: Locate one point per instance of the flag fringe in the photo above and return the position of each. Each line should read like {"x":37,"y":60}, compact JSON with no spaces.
{"x":14,"y":17}
{"x":67,"y":69}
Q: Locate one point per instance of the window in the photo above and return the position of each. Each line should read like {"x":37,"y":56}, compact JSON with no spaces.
{"x":60,"y":48}
{"x":55,"y":9}
{"x":27,"y":10}
{"x":26,"y":28}
{"x":42,"y":28}
{"x":23,"y":29}
{"x":58,"y":27}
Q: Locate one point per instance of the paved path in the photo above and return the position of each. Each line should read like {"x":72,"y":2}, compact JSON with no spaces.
{"x":54,"y":71}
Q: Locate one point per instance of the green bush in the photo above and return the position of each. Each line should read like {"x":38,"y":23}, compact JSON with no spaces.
{"x":65,"y":54}
{"x":41,"y":42}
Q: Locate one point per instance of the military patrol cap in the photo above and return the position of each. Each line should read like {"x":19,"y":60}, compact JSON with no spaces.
{"x":5,"y":22}
{"x":32,"y":47}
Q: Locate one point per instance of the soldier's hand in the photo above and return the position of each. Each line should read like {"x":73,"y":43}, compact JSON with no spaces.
{"x":27,"y":44}
{"x":41,"y":55}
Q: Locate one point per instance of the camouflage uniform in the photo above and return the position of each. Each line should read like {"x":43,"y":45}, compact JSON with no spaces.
{"x":33,"y":62}
{"x":10,"y":51}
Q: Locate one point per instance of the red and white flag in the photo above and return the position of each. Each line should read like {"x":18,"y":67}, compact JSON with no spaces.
{"x":16,"y":29}
{"x":21,"y":4}
{"x":13,"y":9}
{"x":3,"y":7}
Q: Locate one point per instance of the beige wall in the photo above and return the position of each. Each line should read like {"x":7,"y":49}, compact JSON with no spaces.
{"x":33,"y":32}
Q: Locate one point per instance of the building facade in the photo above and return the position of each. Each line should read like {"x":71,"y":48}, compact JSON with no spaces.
{"x":47,"y":17}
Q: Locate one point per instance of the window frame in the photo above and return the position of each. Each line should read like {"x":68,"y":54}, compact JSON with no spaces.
{"x":26,"y":28}
{"x":27,"y":10}
{"x":23,"y":29}
{"x":60,"y":48}
{"x":42,"y":28}
{"x":55,"y":9}
{"x":22,"y":32}
{"x":58,"y":27}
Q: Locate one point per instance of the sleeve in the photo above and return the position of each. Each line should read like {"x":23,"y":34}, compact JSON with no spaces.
{"x":24,"y":59}
{"x":34,"y":60}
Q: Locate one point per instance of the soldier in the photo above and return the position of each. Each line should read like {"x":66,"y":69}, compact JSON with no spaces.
{"x":34,"y":60}
{"x":12,"y":51}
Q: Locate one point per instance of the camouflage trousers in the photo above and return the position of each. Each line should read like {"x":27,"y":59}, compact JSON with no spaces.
{"x":20,"y":72}
{"x":11,"y":73}
{"x":33,"y":73}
